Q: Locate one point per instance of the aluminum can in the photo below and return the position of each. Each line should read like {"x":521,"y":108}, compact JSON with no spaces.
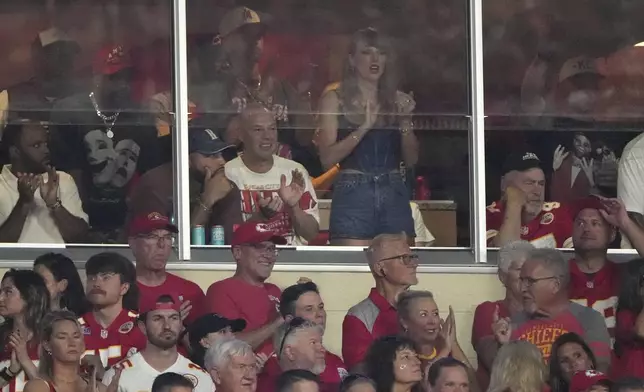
{"x":217,"y":235}
{"x":198,"y":235}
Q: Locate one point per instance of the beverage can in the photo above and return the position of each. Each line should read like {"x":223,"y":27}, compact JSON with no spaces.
{"x":217,"y":235}
{"x":422,"y":188}
{"x":198,"y":235}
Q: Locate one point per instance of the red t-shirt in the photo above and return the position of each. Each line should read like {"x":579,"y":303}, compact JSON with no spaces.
{"x":333,"y":373}
{"x":630,"y":362}
{"x":119,"y":340}
{"x":18,"y":383}
{"x":542,"y":332}
{"x":598,"y":291}
{"x":552,"y":228}
{"x":482,"y":327}
{"x":370,"y":319}
{"x":234,"y":298}
{"x":178,"y":287}
{"x":330,"y":379}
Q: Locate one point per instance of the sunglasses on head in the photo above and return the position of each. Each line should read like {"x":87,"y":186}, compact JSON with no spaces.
{"x":292,"y":325}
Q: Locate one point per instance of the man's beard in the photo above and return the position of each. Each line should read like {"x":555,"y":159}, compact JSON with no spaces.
{"x":33,"y":166}
{"x":163,"y":344}
{"x":318,"y":368}
{"x":197,"y":176}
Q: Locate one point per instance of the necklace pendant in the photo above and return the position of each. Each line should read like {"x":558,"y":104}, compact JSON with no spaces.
{"x":110,"y":134}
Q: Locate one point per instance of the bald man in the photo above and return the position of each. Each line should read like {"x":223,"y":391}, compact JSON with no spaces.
{"x":272,"y":188}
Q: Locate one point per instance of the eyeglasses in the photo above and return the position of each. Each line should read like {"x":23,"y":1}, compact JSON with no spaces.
{"x":529,"y":282}
{"x":157,"y":238}
{"x":407,"y":259}
{"x":266,"y":249}
{"x":292,"y":326}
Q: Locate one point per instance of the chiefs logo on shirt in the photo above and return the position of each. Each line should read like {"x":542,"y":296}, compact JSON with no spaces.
{"x":551,"y":228}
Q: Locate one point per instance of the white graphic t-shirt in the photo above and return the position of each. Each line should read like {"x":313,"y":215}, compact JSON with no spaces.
{"x":137,"y":375}
{"x":253,"y":185}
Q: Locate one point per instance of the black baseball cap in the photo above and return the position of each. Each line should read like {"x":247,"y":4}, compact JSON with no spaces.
{"x":206,"y":141}
{"x":521,"y":161}
{"x":213,"y":322}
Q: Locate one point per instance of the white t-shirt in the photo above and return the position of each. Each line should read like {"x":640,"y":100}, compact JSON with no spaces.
{"x":39,"y":226}
{"x":252,"y":185}
{"x":138,"y":376}
{"x":630,"y":179}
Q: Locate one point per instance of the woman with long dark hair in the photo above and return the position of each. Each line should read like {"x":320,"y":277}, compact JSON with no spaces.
{"x":629,"y":330}
{"x":392,"y":363}
{"x":570,"y":354}
{"x":63,"y":282}
{"x":60,"y":357}
{"x":365,"y":126}
{"x":24,"y":301}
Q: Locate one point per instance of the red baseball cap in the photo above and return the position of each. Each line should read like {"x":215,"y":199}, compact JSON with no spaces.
{"x":146,"y":223}
{"x":111,"y":59}
{"x":255,"y":232}
{"x":590,"y":202}
{"x":584,"y":380}
{"x":161,"y":303}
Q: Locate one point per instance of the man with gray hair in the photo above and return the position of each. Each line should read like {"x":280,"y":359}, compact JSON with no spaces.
{"x":298,"y":345}
{"x":393,"y":267}
{"x":231,"y":365}
{"x":511,"y":259}
{"x":548,"y":313}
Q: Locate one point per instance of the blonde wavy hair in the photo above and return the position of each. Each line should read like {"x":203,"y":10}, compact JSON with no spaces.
{"x":518,"y":367}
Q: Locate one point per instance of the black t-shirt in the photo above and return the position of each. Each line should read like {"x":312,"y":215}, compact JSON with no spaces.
{"x":108,"y":164}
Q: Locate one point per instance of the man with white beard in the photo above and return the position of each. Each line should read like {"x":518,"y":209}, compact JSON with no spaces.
{"x":298,"y":345}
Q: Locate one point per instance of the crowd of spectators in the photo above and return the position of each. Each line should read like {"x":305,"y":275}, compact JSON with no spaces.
{"x":280,"y":121}
{"x":568,"y":325}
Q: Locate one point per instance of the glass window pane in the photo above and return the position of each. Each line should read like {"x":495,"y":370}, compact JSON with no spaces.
{"x":367,"y":99}
{"x":563,"y":82}
{"x":78,"y":92}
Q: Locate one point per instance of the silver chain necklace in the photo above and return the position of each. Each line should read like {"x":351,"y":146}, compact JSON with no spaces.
{"x":106,"y":119}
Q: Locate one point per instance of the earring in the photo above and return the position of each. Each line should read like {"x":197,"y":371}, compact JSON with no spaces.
{"x":402,"y":367}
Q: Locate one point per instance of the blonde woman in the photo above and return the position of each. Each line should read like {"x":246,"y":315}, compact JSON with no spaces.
{"x":60,"y":358}
{"x":518,"y":367}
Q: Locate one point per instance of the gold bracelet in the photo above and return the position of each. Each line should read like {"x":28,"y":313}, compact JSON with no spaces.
{"x":203,"y":206}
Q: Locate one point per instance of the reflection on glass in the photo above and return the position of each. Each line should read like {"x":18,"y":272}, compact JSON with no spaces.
{"x":369,"y":127}
{"x":342,"y":103}
{"x":566,"y":94}
{"x":85,"y":77}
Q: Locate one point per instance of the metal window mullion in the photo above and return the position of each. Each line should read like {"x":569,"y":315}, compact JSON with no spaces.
{"x":180,"y":129}
{"x":477,"y":134}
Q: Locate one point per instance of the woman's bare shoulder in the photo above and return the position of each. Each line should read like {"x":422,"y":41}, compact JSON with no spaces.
{"x":37,"y":385}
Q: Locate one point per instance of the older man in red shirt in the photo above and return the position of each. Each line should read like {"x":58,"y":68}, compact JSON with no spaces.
{"x":246,"y":295}
{"x":393,"y":267}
